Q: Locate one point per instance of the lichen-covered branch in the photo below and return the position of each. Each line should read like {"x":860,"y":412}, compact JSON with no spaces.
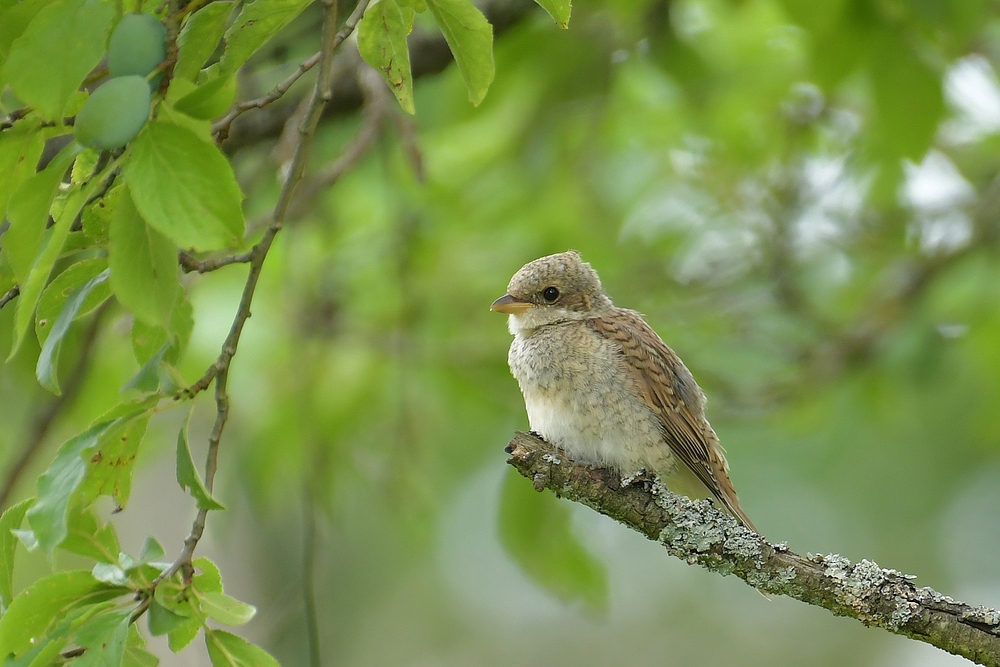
{"x":697,"y":532}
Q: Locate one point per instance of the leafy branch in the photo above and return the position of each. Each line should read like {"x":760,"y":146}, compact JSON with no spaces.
{"x":698,"y":533}
{"x":219,"y":371}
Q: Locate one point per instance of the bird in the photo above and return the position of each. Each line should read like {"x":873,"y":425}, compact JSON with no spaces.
{"x":602,"y":386}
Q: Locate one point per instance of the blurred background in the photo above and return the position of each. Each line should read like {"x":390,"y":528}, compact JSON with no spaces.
{"x":802,"y":198}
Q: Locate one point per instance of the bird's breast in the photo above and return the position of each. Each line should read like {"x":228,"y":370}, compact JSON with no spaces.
{"x":580,"y":396}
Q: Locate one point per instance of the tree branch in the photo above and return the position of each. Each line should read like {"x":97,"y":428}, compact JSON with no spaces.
{"x":697,"y":532}
{"x":429,"y":54}
{"x":219,"y":370}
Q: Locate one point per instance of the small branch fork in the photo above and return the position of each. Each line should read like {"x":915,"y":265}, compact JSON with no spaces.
{"x":219,"y":371}
{"x":697,"y":532}
{"x":220,"y":129}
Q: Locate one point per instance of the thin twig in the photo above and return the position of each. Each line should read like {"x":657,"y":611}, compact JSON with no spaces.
{"x":699,"y":533}
{"x":9,"y":295}
{"x":190,"y":264}
{"x":44,"y":421}
{"x":376,"y":110}
{"x":309,"y":576}
{"x":220,"y":369}
{"x":220,"y":129}
{"x":13,"y":117}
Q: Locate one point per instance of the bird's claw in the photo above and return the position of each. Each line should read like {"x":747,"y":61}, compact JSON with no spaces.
{"x":639,"y":478}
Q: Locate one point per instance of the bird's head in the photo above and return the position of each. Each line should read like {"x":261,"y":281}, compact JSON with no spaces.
{"x":552,"y":289}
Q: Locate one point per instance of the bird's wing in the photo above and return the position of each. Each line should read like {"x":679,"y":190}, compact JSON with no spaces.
{"x":675,"y":398}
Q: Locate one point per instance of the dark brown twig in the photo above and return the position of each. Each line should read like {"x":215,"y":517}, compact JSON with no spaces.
{"x":220,"y":129}
{"x":13,"y":117}
{"x":698,"y":533}
{"x":189,"y":264}
{"x":9,"y":295}
{"x":376,"y":110}
{"x":429,"y":54}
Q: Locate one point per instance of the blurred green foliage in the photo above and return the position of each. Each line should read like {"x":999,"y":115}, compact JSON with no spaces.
{"x":802,"y":199}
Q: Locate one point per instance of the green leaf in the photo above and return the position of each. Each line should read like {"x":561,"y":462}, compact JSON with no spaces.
{"x":470,"y":38}
{"x":10,"y":520}
{"x":163,"y":620}
{"x":229,"y":650}
{"x":13,"y":23}
{"x":109,"y":573}
{"x":382,"y":43}
{"x":143,"y":265}
{"x":187,"y":476}
{"x":96,"y":218}
{"x":59,"y":48}
{"x":26,"y":537}
{"x":20,"y":149}
{"x":418,"y":6}
{"x":48,"y":517}
{"x":179,"y":638}
{"x":151,"y":550}
{"x":45,"y":652}
{"x":136,"y":654}
{"x":38,"y":608}
{"x":85,"y":166}
{"x":86,"y":536}
{"x":28,"y":211}
{"x":148,"y":377}
{"x":256,"y":23}
{"x":559,"y":10}
{"x":209,"y":100}
{"x":147,"y":340}
{"x":104,"y":636}
{"x":199,"y":38}
{"x":63,"y":286}
{"x":31,"y":288}
{"x":535,"y":530}
{"x":110,"y":463}
{"x":185,"y":188}
{"x":225,"y":609}
{"x":48,"y":360}
{"x":909,"y":102}
{"x":210,"y":579}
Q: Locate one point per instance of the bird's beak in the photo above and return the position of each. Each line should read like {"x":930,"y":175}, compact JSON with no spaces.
{"x":510,"y":305}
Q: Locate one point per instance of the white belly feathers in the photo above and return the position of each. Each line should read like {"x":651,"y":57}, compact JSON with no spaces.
{"x":579,"y":402}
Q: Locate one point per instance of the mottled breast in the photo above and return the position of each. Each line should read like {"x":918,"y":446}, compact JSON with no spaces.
{"x":580,"y":396}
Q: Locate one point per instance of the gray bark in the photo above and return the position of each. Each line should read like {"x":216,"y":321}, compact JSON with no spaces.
{"x":699,"y":533}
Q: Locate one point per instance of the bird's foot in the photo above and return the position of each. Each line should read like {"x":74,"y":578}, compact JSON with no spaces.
{"x":639,"y":478}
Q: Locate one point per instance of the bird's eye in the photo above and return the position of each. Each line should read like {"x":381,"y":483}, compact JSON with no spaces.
{"x":550,"y":294}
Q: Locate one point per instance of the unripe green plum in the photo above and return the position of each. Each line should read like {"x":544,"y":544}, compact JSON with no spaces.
{"x":138,"y":44}
{"x":113,"y":115}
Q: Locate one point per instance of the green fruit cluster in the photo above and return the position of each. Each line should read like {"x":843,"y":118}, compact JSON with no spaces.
{"x":115,"y":113}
